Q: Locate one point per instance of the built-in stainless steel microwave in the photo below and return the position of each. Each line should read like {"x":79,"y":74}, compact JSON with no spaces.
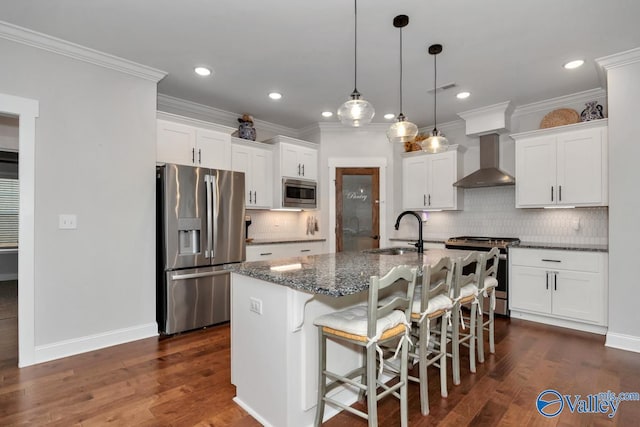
{"x":299,"y":193}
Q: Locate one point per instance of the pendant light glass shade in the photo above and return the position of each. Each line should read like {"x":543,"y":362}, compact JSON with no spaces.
{"x":402,"y":130}
{"x":436,"y":143}
{"x":356,"y":111}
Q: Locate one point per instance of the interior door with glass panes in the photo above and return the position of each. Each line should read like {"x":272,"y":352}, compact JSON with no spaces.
{"x":357,"y":209}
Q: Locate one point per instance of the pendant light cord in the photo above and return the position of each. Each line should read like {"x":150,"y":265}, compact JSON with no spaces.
{"x":401,"y":71}
{"x":355,"y":47}
{"x":435,"y":94}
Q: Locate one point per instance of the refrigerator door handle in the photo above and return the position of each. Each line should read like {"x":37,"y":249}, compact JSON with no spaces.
{"x":207,"y":181}
{"x":213,"y":216}
{"x":197,"y":275}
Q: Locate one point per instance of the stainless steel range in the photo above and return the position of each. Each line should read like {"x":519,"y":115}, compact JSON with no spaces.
{"x":485,"y":244}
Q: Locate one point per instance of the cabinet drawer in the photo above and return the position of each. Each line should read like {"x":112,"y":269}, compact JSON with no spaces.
{"x":557,"y":259}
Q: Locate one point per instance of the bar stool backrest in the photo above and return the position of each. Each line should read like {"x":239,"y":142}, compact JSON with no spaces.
{"x":377,"y":283}
{"x":460,"y":279}
{"x":436,"y":280}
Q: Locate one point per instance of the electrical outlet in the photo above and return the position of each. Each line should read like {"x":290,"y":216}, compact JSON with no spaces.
{"x":255,"y":305}
{"x":67,"y":222}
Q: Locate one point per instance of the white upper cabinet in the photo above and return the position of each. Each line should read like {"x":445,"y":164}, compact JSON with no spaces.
{"x":427,"y":181}
{"x":563,"y":166}
{"x":299,"y":162}
{"x":295,"y":158}
{"x":188,"y":145}
{"x":257,"y":164}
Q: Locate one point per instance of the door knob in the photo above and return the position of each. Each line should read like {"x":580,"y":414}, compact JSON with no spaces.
{"x":375,"y":237}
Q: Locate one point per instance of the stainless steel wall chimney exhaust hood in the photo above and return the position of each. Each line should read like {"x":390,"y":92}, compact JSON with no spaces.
{"x":489,"y":175}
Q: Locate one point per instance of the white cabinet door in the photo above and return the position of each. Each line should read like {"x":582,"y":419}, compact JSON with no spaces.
{"x":414,"y":183}
{"x":262,"y":178}
{"x":192,"y":146}
{"x":175,"y":143}
{"x":580,"y":168}
{"x":530,"y":289}
{"x":213,"y":149}
{"x":562,"y":166}
{"x":298,"y":162}
{"x":442,"y":175}
{"x":258,"y":171}
{"x":578,"y":295}
{"x":536,"y":172}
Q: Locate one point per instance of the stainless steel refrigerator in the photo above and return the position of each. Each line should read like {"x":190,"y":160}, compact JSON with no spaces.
{"x":200,"y":228}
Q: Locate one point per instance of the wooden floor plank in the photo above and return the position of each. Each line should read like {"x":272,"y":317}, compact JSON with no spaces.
{"x":185,"y":381}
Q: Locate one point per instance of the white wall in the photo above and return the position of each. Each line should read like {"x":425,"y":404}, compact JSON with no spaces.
{"x":94,"y":157}
{"x":624,"y":204}
{"x":338,"y":142}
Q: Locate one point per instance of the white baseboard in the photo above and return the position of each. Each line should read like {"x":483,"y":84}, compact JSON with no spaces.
{"x":57,"y":350}
{"x":623,"y":342}
{"x":563,"y":323}
{"x":251,"y":412}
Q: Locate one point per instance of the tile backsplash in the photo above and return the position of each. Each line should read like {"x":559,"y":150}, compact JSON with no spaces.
{"x":283,"y":224}
{"x":491,"y":212}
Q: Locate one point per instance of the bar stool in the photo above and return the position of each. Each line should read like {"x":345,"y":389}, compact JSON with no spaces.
{"x":369,"y":326}
{"x":431,"y":302}
{"x":489,"y":282}
{"x":464,"y":293}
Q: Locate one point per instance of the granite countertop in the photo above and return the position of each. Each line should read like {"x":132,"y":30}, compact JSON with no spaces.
{"x":563,"y":246}
{"x":281,"y":241}
{"x":336,"y":274}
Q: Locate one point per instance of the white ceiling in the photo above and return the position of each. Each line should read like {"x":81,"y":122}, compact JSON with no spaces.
{"x":498,"y":50}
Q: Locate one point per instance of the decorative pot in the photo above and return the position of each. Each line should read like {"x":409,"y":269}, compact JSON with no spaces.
{"x":592,"y":112}
{"x":247,"y":131}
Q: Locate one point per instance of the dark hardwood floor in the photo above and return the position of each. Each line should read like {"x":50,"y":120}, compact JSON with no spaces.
{"x":185,"y":381}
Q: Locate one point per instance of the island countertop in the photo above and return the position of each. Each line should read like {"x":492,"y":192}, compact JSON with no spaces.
{"x":336,"y":274}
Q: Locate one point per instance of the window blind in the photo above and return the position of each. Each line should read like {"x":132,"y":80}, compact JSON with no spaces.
{"x":9,"y":209}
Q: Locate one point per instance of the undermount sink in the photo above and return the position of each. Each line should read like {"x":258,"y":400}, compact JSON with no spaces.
{"x":391,"y":251}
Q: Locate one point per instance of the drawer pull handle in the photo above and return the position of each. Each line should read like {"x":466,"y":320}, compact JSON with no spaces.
{"x":266,"y":253}
{"x":551,"y":260}
{"x":305,"y":250}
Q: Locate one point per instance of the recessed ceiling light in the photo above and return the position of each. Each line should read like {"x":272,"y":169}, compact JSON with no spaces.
{"x":389,"y":116}
{"x":573,"y":64}
{"x":275,"y":95}
{"x":327,"y":114}
{"x":202,"y":71}
{"x":463,"y":95}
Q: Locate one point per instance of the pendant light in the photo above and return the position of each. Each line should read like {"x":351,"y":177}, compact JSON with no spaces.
{"x":436,"y":143}
{"x":356,"y":111}
{"x":402,"y":130}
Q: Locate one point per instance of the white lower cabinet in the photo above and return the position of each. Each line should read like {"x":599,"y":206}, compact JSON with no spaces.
{"x":564,"y":288}
{"x":283,"y":250}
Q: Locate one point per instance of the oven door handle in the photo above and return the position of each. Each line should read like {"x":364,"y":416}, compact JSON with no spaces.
{"x":502,"y":257}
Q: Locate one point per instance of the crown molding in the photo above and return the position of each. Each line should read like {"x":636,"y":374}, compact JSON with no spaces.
{"x":444,"y":127}
{"x":62,"y":47}
{"x":561,"y":101}
{"x":616,"y":60}
{"x":206,"y":113}
{"x":334,"y":127}
{"x":163,"y":115}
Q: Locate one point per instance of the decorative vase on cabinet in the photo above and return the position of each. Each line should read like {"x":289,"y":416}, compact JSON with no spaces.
{"x":593,"y":111}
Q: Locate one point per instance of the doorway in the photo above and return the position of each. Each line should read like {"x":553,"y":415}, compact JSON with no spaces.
{"x":357,"y":208}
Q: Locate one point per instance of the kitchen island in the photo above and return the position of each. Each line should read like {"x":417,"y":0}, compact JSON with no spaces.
{"x":274,"y":359}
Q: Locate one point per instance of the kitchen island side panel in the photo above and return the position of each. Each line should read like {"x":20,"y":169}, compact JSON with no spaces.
{"x":274,"y":360}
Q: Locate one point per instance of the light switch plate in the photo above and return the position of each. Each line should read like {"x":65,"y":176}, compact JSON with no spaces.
{"x":67,"y":221}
